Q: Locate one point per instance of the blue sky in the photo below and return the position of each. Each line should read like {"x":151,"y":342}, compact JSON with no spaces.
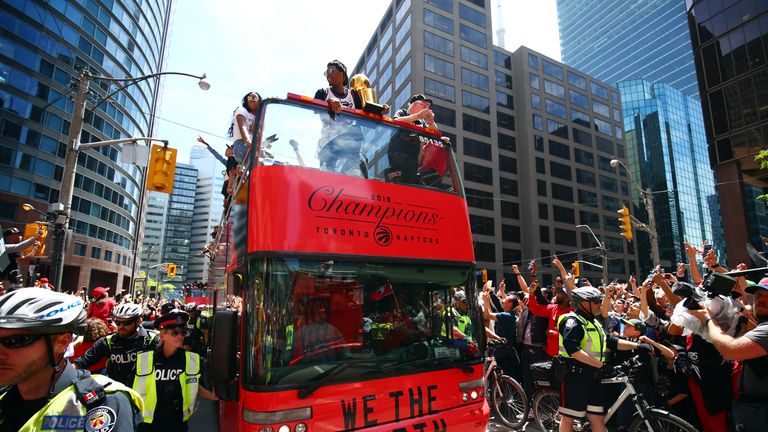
{"x":276,"y":47}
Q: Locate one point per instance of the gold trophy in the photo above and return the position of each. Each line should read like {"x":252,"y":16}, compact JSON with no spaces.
{"x":360,"y":84}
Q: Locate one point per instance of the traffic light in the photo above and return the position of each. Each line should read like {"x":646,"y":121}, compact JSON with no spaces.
{"x":161,"y":169}
{"x":171,"y":270}
{"x":625,"y":223}
{"x":484,"y":275}
{"x":576,"y":269}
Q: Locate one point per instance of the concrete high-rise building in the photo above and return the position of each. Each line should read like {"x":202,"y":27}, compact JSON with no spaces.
{"x":730,"y":45}
{"x":619,"y":40}
{"x":178,"y":221}
{"x":44,"y":45}
{"x":209,"y":206}
{"x":535,"y":156}
{"x":154,"y":233}
{"x":645,"y":46}
{"x":664,"y":135}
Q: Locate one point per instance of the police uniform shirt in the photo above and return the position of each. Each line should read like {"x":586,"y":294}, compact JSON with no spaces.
{"x":573,"y":331}
{"x":169,"y":398}
{"x":14,"y":411}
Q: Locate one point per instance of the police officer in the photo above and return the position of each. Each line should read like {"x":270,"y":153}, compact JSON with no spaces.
{"x":197,"y":329}
{"x":583,"y":346}
{"x":122,"y":347}
{"x":45,"y":392}
{"x":168,"y":377}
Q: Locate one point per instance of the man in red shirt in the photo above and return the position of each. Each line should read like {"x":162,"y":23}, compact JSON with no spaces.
{"x":101,"y":306}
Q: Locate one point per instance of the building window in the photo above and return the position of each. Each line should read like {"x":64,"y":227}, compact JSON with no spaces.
{"x":511,"y":256}
{"x":577,"y":80}
{"x":444,"y":116}
{"x":479,"y":199}
{"x":543,"y":211}
{"x":580,"y":118}
{"x":476,"y":125}
{"x":474,"y":79}
{"x":552,"y":70}
{"x":477,"y":173}
{"x":481,"y":225}
{"x":585,"y":178}
{"x":601,"y":108}
{"x":602,"y":126}
{"x":555,"y":90}
{"x":502,"y":60}
{"x":505,"y":121}
{"x":541,"y":188}
{"x":557,"y":129}
{"x":579,"y":99}
{"x":439,"y":67}
{"x":533,"y":61}
{"x":581,"y":137}
{"x":565,"y":237}
{"x":510,"y":210}
{"x":537,"y":122}
{"x":507,"y":142}
{"x":560,"y":150}
{"x":405,"y":26}
{"x":510,"y":233}
{"x":108,"y":256}
{"x":589,"y":218}
{"x":473,"y":57}
{"x":609,"y":184}
{"x":435,"y":20}
{"x":446,"y":5}
{"x":538,"y":143}
{"x":544,"y":234}
{"x":541,"y":166}
{"x":534,"y":80}
{"x":477,"y":149}
{"x":485,"y":252}
{"x":587,"y":198}
{"x":95,"y":252}
{"x":439,"y":89}
{"x":503,"y":80}
{"x":604,"y":145}
{"x":556,"y":109}
{"x":438,"y":43}
{"x":508,"y":186}
{"x":475,"y":101}
{"x":563,"y":214}
{"x":508,"y":164}
{"x":584,"y":157}
{"x":598,"y":90}
{"x":559,"y":170}
{"x":505,"y":100}
{"x":80,"y":249}
{"x":535,"y":101}
{"x":474,"y":16}
{"x":561,"y":192}
{"x":473,"y":36}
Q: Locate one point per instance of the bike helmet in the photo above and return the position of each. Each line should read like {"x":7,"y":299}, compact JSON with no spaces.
{"x":127,"y":311}
{"x":586,"y":294}
{"x":190,"y":307}
{"x":42,"y":311}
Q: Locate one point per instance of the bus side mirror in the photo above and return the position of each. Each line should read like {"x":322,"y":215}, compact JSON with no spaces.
{"x":223,"y":356}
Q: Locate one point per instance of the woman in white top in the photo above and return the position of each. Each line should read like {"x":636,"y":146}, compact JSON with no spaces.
{"x":241,"y":128}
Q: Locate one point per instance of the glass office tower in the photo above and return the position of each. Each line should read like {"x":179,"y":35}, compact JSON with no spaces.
{"x":178,"y":221}
{"x":662,"y":129}
{"x":43,"y":46}
{"x":617,"y":40}
{"x":730,"y":44}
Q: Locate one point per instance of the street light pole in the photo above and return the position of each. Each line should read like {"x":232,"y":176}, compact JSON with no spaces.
{"x":650,"y":228}
{"x":603,"y":252}
{"x":63,"y":209}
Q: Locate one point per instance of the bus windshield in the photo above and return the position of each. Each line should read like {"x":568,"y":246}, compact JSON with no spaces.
{"x":307,"y":318}
{"x":310,"y":136}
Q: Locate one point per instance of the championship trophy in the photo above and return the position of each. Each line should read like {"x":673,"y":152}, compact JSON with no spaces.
{"x":362,"y":86}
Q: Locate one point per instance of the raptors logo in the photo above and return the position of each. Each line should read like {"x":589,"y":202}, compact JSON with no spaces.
{"x":383,"y":235}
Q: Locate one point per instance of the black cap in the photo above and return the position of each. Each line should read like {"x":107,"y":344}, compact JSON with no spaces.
{"x":11,"y":231}
{"x":172,"y":320}
{"x":167,"y":308}
{"x":340,"y":66}
{"x":418,"y":97}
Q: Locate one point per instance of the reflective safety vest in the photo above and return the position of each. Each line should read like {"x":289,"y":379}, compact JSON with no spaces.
{"x":145,"y":384}
{"x":464,"y":324}
{"x":380,"y":331}
{"x":67,"y":407}
{"x":594,"y":340}
{"x":289,"y":337}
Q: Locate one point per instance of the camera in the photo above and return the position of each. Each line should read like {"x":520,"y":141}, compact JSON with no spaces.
{"x":718,"y":284}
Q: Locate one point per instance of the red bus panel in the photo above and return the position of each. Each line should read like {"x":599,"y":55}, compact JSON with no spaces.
{"x":312,"y":211}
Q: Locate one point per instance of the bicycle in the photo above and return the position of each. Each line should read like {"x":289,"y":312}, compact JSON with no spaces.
{"x":505,"y":395}
{"x":546,"y":406}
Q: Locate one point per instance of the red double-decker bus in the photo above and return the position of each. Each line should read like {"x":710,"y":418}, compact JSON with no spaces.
{"x":345,"y":269}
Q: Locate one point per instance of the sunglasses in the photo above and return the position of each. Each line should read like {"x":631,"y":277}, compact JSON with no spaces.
{"x":330,"y":71}
{"x":253,"y":98}
{"x":19,"y":340}
{"x":125,"y":323}
{"x":176,"y":332}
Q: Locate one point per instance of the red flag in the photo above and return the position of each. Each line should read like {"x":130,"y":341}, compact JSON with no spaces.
{"x":384,"y":290}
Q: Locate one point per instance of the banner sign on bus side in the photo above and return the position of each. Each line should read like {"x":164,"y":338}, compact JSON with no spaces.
{"x":313,"y":211}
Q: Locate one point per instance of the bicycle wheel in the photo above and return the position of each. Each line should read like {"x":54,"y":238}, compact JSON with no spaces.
{"x":546,"y":410}
{"x":661,"y":421}
{"x":509,"y":401}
